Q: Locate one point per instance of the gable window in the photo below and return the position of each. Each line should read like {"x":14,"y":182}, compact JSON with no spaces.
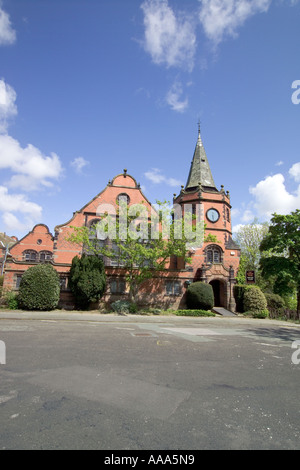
{"x":123,"y":197}
{"x":30,"y":255}
{"x":45,"y":256}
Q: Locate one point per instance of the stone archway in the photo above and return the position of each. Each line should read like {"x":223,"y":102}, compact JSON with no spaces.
{"x":220,"y":293}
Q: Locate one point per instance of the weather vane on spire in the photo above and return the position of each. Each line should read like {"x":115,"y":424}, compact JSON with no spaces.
{"x":199,"y":126}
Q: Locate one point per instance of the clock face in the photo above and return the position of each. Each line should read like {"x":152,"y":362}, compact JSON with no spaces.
{"x":212,"y":215}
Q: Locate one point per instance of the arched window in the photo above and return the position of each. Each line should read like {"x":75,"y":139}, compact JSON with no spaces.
{"x":213,"y":254}
{"x":45,"y":256}
{"x":92,"y":225}
{"x":30,"y":255}
{"x":123,"y":197}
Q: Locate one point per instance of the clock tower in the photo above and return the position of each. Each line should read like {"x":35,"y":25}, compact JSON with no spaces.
{"x":216,"y":262}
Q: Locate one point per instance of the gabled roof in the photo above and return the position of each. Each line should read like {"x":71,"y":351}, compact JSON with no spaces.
{"x":200,"y":173}
{"x":5,"y":240}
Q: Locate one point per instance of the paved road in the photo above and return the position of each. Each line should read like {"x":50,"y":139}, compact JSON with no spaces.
{"x":86,"y":381}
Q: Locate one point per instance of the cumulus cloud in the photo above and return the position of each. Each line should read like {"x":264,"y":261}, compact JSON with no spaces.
{"x":7,"y":33}
{"x":10,"y":204}
{"x":294,"y":172}
{"x":8,"y":108}
{"x":79,"y":163}
{"x":271,"y":194}
{"x":169,"y":39}
{"x":221,"y":18}
{"x":32,"y":169}
{"x":174,"y":99}
{"x":155,"y":176}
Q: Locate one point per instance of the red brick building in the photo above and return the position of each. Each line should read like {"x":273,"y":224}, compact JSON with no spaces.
{"x":216,"y":263}
{"x":5,"y":243}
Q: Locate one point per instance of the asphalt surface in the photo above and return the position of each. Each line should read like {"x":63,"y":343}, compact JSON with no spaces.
{"x":90,"y":381}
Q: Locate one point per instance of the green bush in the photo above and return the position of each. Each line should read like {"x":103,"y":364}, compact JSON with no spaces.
{"x":39,"y":288}
{"x":121,"y":306}
{"x":133,"y":308}
{"x":194,"y":313}
{"x":254,"y":300}
{"x":275,"y":304}
{"x":87,"y":280}
{"x":257,"y":313}
{"x":200,"y":296}
{"x":261,"y":313}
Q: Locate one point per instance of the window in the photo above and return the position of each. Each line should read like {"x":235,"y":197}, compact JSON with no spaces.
{"x":17,"y":280}
{"x":173,"y":288}
{"x":63,"y":281}
{"x":227,"y":215}
{"x":30,"y":255}
{"x":117,"y":286}
{"x":213,"y":255}
{"x":123,"y":197}
{"x":45,"y":256}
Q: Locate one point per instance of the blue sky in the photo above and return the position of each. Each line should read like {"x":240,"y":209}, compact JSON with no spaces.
{"x":90,"y":87}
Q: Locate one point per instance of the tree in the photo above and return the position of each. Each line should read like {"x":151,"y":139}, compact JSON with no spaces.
{"x":138,"y":244}
{"x":87,"y":280}
{"x":283,"y":261}
{"x":249,"y":238}
{"x":39,"y":288}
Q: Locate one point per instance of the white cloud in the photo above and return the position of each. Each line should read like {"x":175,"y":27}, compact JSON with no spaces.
{"x":32,"y":169}
{"x":247,"y":216}
{"x":294,"y":172}
{"x":18,"y":203}
{"x":155,"y":176}
{"x":272,"y":196}
{"x":221,"y":18}
{"x":279,"y":163}
{"x":12,"y":223}
{"x":28,"y":211}
{"x":169,"y":39}
{"x":174,"y":100}
{"x":7,"y":33}
{"x":79,"y":163}
{"x":8,"y":108}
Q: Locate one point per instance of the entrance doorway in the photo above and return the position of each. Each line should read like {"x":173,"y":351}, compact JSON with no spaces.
{"x":219,"y":293}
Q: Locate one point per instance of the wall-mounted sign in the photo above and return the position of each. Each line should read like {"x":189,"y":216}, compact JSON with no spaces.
{"x":250,"y":277}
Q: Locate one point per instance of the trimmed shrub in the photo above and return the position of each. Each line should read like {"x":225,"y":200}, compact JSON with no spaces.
{"x":194,"y":313}
{"x":275,"y":304}
{"x":258,"y":313}
{"x":254,"y":300}
{"x":39,"y":288}
{"x":87,"y":280}
{"x":200,"y":296}
{"x":261,"y":313}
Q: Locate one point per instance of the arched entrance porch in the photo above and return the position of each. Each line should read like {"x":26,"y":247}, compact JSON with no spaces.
{"x":220,"y":293}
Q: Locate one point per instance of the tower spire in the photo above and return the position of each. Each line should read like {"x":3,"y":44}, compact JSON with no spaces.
{"x":200,"y":172}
